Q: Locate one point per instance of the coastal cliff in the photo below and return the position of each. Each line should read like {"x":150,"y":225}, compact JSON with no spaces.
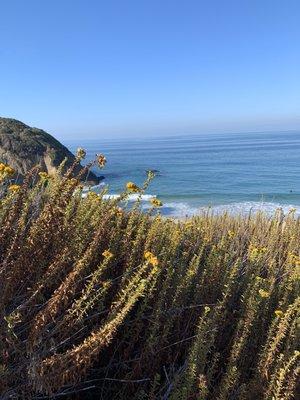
{"x":23,"y":147}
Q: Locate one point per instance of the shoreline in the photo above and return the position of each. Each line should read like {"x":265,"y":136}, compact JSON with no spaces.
{"x":182,"y":210}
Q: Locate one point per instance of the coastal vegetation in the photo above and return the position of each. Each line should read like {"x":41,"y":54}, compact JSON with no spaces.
{"x":102,"y":303}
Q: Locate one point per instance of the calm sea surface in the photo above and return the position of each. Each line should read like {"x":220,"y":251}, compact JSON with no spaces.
{"x":239,"y":172}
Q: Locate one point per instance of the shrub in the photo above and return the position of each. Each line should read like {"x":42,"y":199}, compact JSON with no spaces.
{"x":97,"y":302}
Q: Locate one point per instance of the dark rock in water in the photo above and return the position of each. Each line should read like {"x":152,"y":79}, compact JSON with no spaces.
{"x":23,"y":147}
{"x":153,"y":171}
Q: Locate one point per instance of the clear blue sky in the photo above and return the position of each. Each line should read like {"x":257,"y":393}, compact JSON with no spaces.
{"x":138,"y":67}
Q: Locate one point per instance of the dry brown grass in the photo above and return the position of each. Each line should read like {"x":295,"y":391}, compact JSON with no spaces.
{"x":97,"y":303}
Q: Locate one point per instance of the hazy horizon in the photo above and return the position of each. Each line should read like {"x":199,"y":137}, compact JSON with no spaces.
{"x":83,"y":138}
{"x":175,"y":132}
{"x":151,"y":68}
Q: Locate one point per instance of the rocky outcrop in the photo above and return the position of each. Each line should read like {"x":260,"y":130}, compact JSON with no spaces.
{"x":23,"y":147}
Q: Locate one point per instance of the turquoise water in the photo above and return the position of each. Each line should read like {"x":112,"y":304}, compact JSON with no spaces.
{"x":238,"y":172}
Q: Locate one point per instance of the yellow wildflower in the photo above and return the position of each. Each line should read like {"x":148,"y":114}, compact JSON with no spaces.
{"x":156,"y":202}
{"x":151,"y":258}
{"x":107,"y":254}
{"x":278,"y":313}
{"x":132,"y":187}
{"x":231,"y":234}
{"x":154,"y":261}
{"x":256,"y":252}
{"x":148,"y":255}
{"x":9,"y":170}
{"x":259,"y":278}
{"x":44,"y":175}
{"x":73,"y":181}
{"x":263,"y":293}
{"x":14,"y":188}
{"x":93,"y":196}
{"x":101,"y":160}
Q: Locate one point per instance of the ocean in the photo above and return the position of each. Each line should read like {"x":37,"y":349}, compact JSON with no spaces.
{"x":237,"y":172}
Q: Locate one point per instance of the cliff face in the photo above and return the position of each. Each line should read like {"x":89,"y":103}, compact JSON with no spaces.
{"x":23,"y":147}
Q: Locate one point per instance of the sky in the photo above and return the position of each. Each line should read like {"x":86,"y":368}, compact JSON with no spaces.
{"x":90,"y":68}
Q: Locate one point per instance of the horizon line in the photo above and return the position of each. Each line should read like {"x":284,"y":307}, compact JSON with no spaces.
{"x":180,"y":135}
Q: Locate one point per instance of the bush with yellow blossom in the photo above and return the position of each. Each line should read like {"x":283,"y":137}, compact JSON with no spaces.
{"x":99,"y":301}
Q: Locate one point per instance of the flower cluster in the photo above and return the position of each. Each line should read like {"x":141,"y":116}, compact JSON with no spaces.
{"x":256,"y":252}
{"x":263,"y":293}
{"x":156,"y":203}
{"x":107,"y":254}
{"x":278,"y":313}
{"x":73,"y":182}
{"x":14,"y":188}
{"x":6,"y":171}
{"x":44,"y":176}
{"x":93,"y":196}
{"x":132,"y":187}
{"x":151,"y":258}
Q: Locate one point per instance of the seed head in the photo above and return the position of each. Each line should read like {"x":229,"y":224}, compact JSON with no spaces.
{"x":101,"y":160}
{"x":81,"y":153}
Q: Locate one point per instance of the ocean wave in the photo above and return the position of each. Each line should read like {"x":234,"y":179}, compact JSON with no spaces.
{"x":178,"y":210}
{"x":131,"y":197}
{"x":181,"y":210}
{"x":254,"y":207}
{"x":112,"y":196}
{"x":94,"y":188}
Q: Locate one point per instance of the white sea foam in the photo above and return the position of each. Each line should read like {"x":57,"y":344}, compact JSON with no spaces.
{"x":94,"y":188}
{"x":254,"y":207}
{"x":131,"y":197}
{"x":181,"y":210}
